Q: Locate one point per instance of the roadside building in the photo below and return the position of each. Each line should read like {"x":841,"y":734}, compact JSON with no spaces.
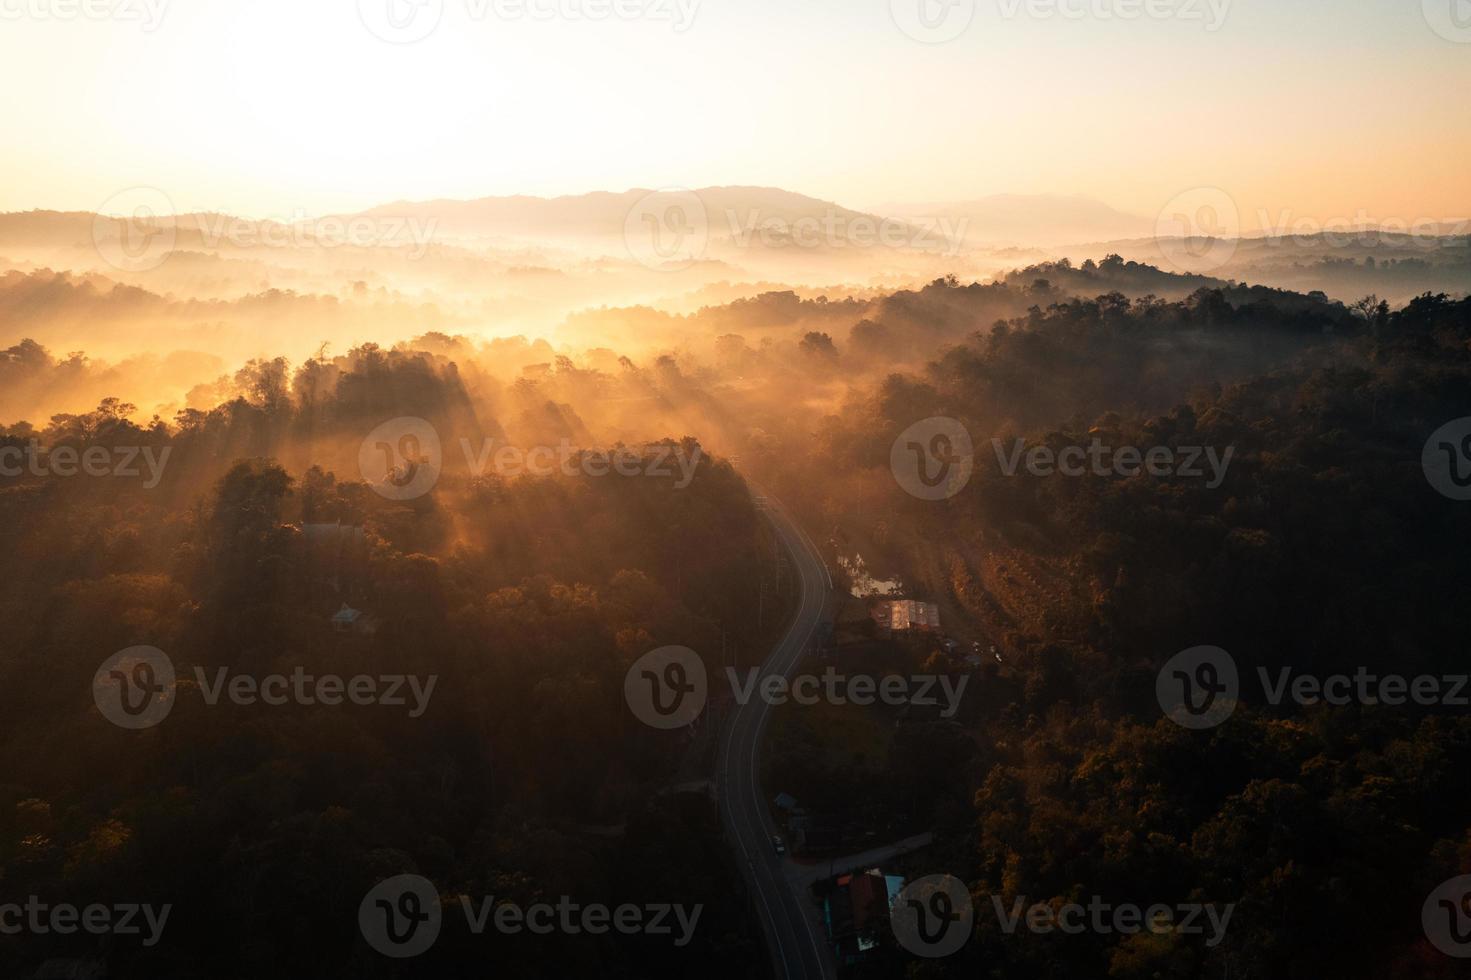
{"x":904,"y":615}
{"x":856,"y":912}
{"x":350,"y":620}
{"x":787,"y":803}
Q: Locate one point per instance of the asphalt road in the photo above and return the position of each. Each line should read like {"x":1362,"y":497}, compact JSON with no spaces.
{"x":793,"y":936}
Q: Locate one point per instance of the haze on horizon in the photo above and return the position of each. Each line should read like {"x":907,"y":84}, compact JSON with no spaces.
{"x":272,"y":109}
{"x":994,"y":138}
{"x":810,"y":475}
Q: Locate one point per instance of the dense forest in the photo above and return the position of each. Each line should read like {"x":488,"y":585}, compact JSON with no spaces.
{"x":527,"y":596}
{"x":263,"y":825}
{"x":1325,"y":550}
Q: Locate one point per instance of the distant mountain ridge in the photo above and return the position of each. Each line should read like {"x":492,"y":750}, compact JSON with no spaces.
{"x":1029,"y":219}
{"x":606,"y":213}
{"x":728,"y":211}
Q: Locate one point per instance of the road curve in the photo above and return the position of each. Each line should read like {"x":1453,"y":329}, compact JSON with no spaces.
{"x":794,"y":940}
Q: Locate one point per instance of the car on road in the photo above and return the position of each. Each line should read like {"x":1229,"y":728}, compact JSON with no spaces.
{"x":778,"y":845}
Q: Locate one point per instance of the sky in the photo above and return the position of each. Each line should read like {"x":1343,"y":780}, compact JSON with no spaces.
{"x":280,"y":108}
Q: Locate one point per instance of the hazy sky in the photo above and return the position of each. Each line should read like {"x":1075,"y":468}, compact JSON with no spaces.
{"x":268,"y":107}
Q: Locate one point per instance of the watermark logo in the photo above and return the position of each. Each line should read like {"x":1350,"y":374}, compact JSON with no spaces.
{"x":1446,"y":917}
{"x":400,"y":917}
{"x":136,"y":229}
{"x":667,"y":230}
{"x":933,"y":916}
{"x":667,"y":688}
{"x":1446,"y":459}
{"x":401,"y":21}
{"x":134,"y":688}
{"x":1198,"y":230}
{"x":933,"y":21}
{"x":402,"y":458}
{"x":1451,"y":19}
{"x":1198,"y":688}
{"x":933,"y":458}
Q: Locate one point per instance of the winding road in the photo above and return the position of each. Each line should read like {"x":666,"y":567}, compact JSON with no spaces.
{"x":793,"y":934}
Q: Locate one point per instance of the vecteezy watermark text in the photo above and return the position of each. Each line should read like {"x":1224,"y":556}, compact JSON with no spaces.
{"x":571,"y":918}
{"x":1200,"y":687}
{"x":934,"y":458}
{"x":653,"y":460}
{"x":38,"y":918}
{"x":301,"y":231}
{"x":94,"y":461}
{"x":403,"y":459}
{"x":1361,"y":229}
{"x":1106,"y":918}
{"x":410,"y":21}
{"x":1211,"y":13}
{"x":136,"y":688}
{"x":400,"y":917}
{"x":1200,"y":229}
{"x":933,"y":916}
{"x":860,"y":689}
{"x":300,"y":687}
{"x":139,"y":229}
{"x":667,"y":688}
{"x":1101,"y":460}
{"x":836,"y":229}
{"x":148,"y":14}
